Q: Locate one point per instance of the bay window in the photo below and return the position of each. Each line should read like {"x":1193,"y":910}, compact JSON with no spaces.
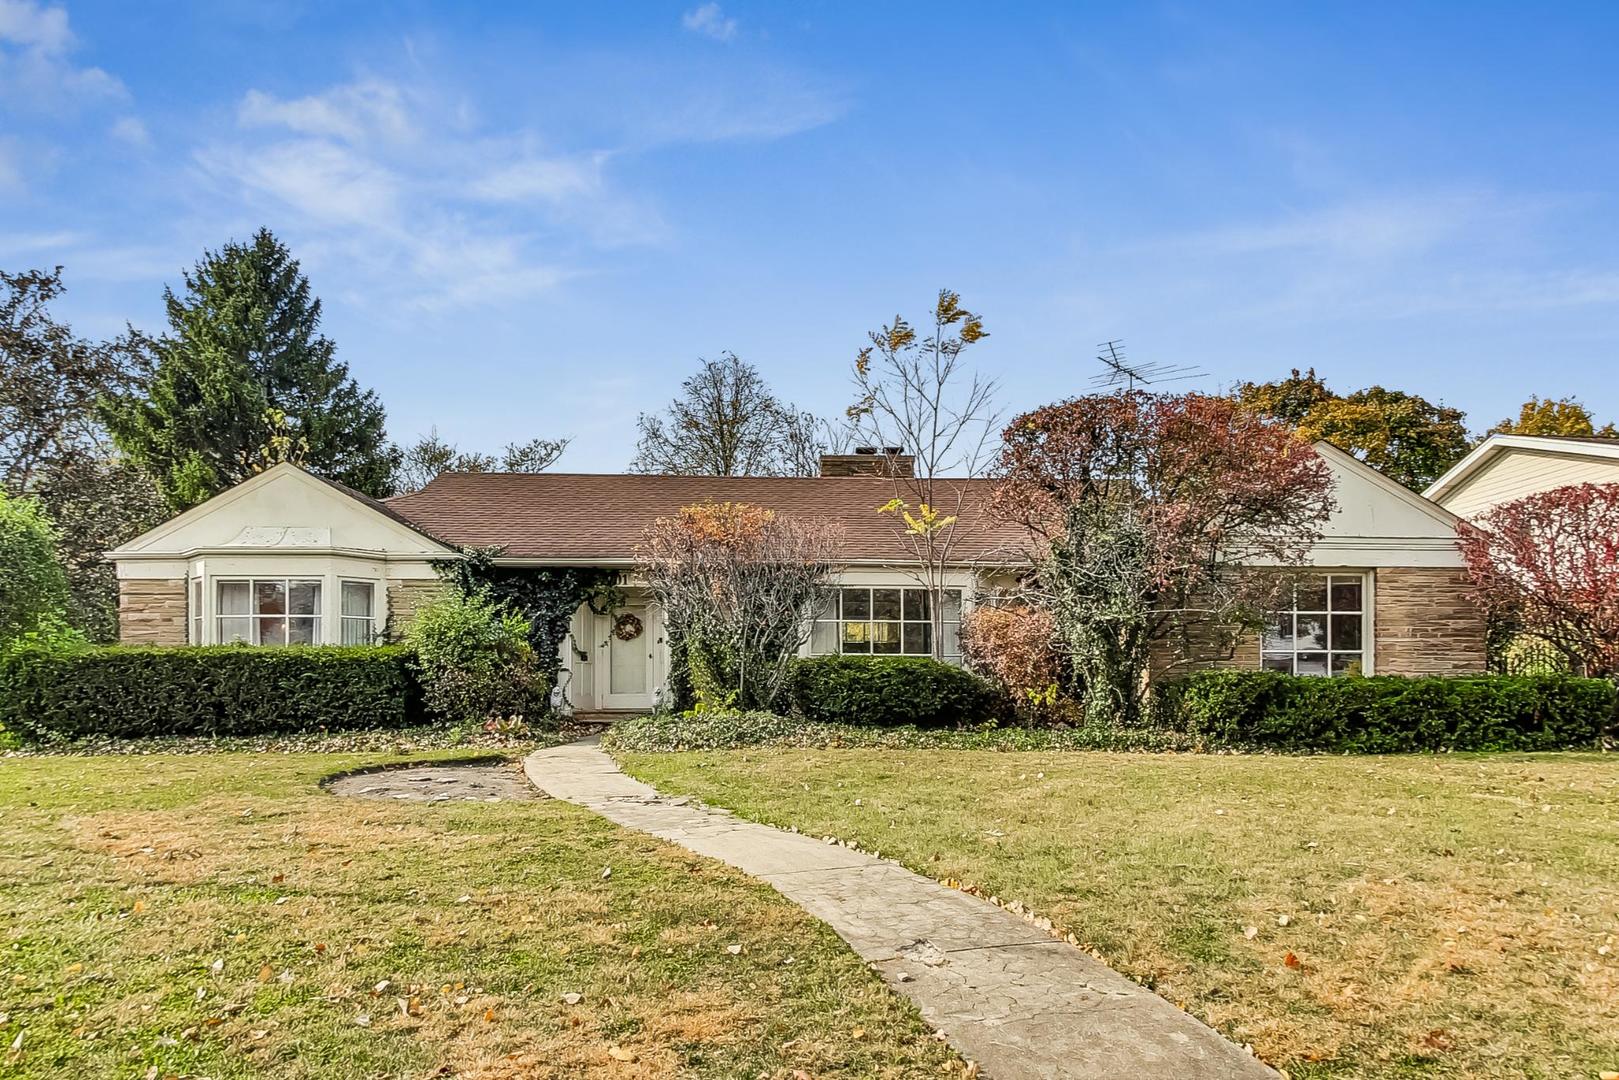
{"x":1322,"y":631}
{"x":268,"y":611}
{"x":881,"y":621}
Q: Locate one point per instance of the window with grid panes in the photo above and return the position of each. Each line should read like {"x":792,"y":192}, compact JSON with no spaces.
{"x":276,"y":611}
{"x":1323,"y":632}
{"x":884,"y":621}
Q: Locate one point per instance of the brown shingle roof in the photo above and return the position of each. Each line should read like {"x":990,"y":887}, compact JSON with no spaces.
{"x":587,"y":516}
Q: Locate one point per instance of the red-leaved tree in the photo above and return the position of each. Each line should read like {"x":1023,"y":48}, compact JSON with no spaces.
{"x":1549,"y":563}
{"x":1155,"y":516}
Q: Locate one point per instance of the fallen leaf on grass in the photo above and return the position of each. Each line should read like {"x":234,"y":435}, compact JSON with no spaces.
{"x":266,"y":973}
{"x":618,"y":1053}
{"x":734,"y":950}
{"x":1292,"y":961}
{"x":1250,"y":932}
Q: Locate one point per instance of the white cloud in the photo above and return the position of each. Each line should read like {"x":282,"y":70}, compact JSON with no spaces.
{"x":329,"y":183}
{"x":357,"y":112}
{"x":1362,"y":229}
{"x":36,"y":72}
{"x":1381,"y":256}
{"x":710,"y":21}
{"x":397,"y":185}
{"x":773,"y":105}
{"x":131,"y":130}
{"x":32,"y":25}
{"x":547,"y":179}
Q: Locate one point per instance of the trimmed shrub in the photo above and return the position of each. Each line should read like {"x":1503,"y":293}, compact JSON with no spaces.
{"x":1391,"y":714}
{"x":475,"y":662}
{"x":128,"y":692}
{"x":891,"y":690}
{"x":723,"y":729}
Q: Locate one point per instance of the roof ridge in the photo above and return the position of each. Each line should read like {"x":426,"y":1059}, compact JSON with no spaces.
{"x":671,"y":476}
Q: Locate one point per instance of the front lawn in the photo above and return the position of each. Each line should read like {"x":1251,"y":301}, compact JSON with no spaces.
{"x":1402,"y":916}
{"x":220,"y":915}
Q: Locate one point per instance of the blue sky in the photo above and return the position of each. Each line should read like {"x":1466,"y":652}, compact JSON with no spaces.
{"x":531,"y":219}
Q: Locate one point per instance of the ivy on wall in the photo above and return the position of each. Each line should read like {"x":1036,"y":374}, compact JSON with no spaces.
{"x":547,"y":596}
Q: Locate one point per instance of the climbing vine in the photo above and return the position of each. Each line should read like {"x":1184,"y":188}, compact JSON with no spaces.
{"x":545,"y":595}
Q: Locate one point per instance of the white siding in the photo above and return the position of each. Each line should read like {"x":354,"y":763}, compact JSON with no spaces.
{"x":1515,"y":472}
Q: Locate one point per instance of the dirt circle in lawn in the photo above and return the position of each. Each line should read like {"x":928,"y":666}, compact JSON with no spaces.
{"x":437,"y":782}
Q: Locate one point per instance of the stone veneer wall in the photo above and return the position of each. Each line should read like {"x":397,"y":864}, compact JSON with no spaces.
{"x":1424,"y":624}
{"x":404,"y":597}
{"x":152,"y":611}
{"x":1169,"y":658}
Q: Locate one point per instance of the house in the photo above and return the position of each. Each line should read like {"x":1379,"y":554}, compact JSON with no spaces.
{"x":1507,"y":467}
{"x":288,"y":558}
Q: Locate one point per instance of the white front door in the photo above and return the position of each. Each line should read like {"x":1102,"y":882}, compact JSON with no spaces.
{"x":629,"y":672}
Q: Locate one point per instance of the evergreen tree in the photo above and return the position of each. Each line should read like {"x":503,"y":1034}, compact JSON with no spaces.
{"x":242,"y":365}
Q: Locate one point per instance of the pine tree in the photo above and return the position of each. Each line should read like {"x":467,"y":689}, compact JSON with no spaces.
{"x":243,"y":363}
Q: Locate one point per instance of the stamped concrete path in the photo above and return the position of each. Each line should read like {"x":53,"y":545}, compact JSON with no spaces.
{"x":1005,"y":994}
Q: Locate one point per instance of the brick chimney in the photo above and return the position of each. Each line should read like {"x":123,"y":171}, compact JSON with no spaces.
{"x":869,"y":461}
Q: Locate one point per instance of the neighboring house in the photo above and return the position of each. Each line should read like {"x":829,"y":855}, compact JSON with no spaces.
{"x":288,"y":558}
{"x":1507,"y":467}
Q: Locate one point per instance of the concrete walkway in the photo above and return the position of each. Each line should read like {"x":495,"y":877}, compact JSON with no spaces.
{"x":1007,"y":995}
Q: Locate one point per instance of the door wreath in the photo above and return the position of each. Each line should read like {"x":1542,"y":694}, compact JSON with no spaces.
{"x":627,"y":627}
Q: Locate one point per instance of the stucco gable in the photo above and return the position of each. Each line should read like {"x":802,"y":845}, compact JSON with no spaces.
{"x":1372,"y":505}
{"x":282,"y":510}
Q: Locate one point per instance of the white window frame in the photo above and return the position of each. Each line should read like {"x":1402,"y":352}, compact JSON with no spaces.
{"x":369,"y":620}
{"x":196,"y":623}
{"x":1269,"y":655}
{"x":255,"y":620}
{"x":951,"y":628}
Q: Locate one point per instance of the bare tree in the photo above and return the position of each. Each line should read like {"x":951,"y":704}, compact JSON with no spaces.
{"x":737,"y":584}
{"x":430,"y":455}
{"x":916,"y":396}
{"x":727,"y":422}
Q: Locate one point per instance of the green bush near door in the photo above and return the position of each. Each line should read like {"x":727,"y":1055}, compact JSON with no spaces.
{"x":886,"y":690}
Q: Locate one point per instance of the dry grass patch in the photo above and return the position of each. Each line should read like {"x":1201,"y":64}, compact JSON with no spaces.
{"x":223,"y":916}
{"x":1404,"y":916}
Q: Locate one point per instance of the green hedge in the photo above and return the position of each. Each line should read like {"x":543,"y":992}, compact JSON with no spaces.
{"x":219,"y":690}
{"x":723,"y":729}
{"x":1391,"y":714}
{"x":891,"y":690}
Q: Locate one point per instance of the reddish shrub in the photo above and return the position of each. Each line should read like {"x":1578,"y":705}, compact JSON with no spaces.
{"x":1016,"y":646}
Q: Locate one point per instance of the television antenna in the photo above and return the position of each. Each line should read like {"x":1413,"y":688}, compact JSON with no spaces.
{"x":1119,"y":373}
